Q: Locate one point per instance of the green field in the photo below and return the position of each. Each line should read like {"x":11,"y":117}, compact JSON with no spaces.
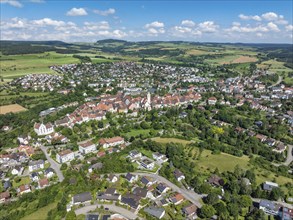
{"x":170,"y":140}
{"x":24,"y":180}
{"x":17,"y":65}
{"x":40,"y":214}
{"x":135,"y":133}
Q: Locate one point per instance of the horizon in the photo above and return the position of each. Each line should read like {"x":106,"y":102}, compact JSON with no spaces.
{"x":193,"y":21}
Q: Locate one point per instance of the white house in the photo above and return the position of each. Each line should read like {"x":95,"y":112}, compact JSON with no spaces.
{"x":111,"y":142}
{"x":134,"y":154}
{"x":49,"y":172}
{"x":64,"y":156}
{"x":212,"y":100}
{"x":161,"y":158}
{"x":178,"y":175}
{"x":147,"y":164}
{"x":87,"y":147}
{"x":43,"y":129}
{"x":17,"y":170}
{"x":131,"y":178}
{"x":113,"y":178}
{"x":35,"y":165}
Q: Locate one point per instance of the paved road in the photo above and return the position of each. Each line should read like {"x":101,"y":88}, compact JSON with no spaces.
{"x":289,"y":156}
{"x":188,"y":194}
{"x":280,"y":79}
{"x":122,"y":211}
{"x":54,"y":164}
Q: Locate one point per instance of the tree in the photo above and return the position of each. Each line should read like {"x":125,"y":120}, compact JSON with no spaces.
{"x":245,"y":201}
{"x":255,"y":214}
{"x":63,"y":166}
{"x":207,"y":211}
{"x":211,"y":198}
{"x":100,"y":124}
{"x":70,"y":215}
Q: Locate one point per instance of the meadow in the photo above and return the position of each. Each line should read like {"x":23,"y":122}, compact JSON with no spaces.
{"x":14,"y":108}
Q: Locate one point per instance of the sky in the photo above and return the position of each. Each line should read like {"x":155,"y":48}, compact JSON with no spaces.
{"x":249,"y":21}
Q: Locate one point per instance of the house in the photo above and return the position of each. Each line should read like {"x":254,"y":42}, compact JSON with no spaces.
{"x":131,"y":178}
{"x":29,"y":150}
{"x":215,"y":181}
{"x":7,"y":184}
{"x":155,"y":211}
{"x":111,"y":142}
{"x":49,"y":172}
{"x":81,"y":198}
{"x":95,"y":166}
{"x":43,"y":129}
{"x":269,"y":207}
{"x":109,"y":195}
{"x":141,"y":192}
{"x":147,"y":164}
{"x":112,"y":178}
{"x":4,"y":196}
{"x":130,"y":200}
{"x":36,"y":165}
{"x":177,"y":199}
{"x":287,"y":213}
{"x":24,"y":189}
{"x":164,"y":202}
{"x":64,"y":156}
{"x":178,"y":175}
{"x":134,"y":154}
{"x":87,"y":147}
{"x":269,"y":186}
{"x":17,"y":170}
{"x":43,"y":183}
{"x":35,"y":177}
{"x":101,"y":154}
{"x":147,"y":181}
{"x":161,"y":158}
{"x":162,"y":188}
{"x":189,"y":210}
{"x":280,"y":148}
{"x":212,"y":100}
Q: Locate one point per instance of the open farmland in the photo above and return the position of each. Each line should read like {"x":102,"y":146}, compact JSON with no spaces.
{"x":14,"y":108}
{"x":13,"y":66}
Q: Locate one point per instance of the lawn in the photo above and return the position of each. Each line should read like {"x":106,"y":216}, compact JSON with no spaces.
{"x":170,"y":140}
{"x":40,"y":214}
{"x":14,"y":108}
{"x":24,"y":180}
{"x":135,"y":133}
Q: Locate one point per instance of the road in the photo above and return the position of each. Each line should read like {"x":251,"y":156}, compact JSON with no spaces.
{"x":116,"y":209}
{"x":188,"y":194}
{"x":280,"y":79}
{"x":55,"y":166}
{"x":289,"y":155}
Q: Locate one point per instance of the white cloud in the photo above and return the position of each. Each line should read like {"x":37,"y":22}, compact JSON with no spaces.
{"x":37,"y":1}
{"x":103,"y":25}
{"x":273,"y":27}
{"x":12,"y":3}
{"x":110,"y":11}
{"x":155,"y":24}
{"x":259,"y":34}
{"x":270,"y":16}
{"x":250,"y":17}
{"x":48,"y":22}
{"x":208,"y":27}
{"x":188,"y":23}
{"x":76,"y":12}
{"x":289,"y":27}
{"x":247,"y":29}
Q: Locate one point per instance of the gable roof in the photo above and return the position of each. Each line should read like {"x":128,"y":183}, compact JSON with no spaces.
{"x":82,"y":197}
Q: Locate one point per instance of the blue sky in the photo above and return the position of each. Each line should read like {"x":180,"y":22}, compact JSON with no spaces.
{"x":205,"y":21}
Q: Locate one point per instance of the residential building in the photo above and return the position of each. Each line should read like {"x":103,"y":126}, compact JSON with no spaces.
{"x":81,"y":198}
{"x":155,"y":211}
{"x":178,"y":175}
{"x":87,"y":147}
{"x":64,"y":156}
{"x":269,"y":207}
{"x":111,"y":142}
{"x":189,"y":210}
{"x":43,"y":129}
{"x":4,"y":196}
{"x":36,"y":165}
{"x":24,"y":189}
{"x":269,"y":186}
{"x":131,"y":178}
{"x":147,"y":164}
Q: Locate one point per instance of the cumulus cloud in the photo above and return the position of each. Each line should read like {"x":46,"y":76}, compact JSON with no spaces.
{"x":188,"y":23}
{"x":76,"y":12}
{"x":289,"y":27}
{"x":12,"y":3}
{"x":110,"y":11}
{"x":155,"y":24}
{"x":103,"y":25}
{"x":208,"y":27}
{"x":273,"y":27}
{"x":250,"y":17}
{"x":270,"y":16}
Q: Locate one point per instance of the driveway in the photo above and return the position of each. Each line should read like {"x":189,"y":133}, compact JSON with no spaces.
{"x":289,"y":155}
{"x":55,"y":166}
{"x":116,"y":209}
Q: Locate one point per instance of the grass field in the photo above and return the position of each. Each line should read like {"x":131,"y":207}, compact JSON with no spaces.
{"x":40,"y":214}
{"x":17,"y":65}
{"x":24,"y":180}
{"x":232,"y":59}
{"x":11,"y":108}
{"x":135,"y":133}
{"x":170,"y":140}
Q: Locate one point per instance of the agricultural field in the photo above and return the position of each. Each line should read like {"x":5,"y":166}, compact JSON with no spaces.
{"x":13,"y":66}
{"x":14,"y":108}
{"x":232,"y":59}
